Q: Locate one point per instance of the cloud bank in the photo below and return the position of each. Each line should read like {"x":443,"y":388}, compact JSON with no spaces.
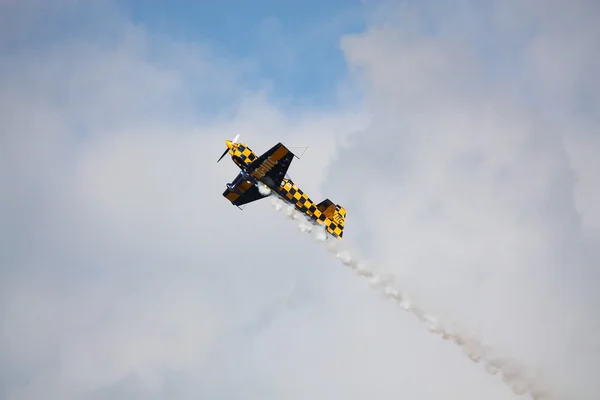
{"x":125,"y":274}
{"x":484,"y":201}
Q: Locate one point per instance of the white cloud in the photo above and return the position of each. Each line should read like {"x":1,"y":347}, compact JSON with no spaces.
{"x":479,"y":203}
{"x":125,"y":273}
{"x":122,"y":263}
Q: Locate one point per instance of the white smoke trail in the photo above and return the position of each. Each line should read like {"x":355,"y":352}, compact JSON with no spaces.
{"x":512,"y":373}
{"x":263,"y":189}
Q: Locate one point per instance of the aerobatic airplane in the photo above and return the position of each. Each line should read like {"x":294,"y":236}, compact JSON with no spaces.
{"x":270,"y":169}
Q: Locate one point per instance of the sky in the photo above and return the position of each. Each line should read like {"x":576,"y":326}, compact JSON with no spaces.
{"x":461,"y":137}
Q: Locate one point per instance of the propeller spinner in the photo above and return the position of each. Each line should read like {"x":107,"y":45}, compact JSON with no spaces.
{"x":229,"y":144}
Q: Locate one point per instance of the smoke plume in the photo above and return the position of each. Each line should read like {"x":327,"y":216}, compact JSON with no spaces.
{"x":512,"y":373}
{"x":263,"y":189}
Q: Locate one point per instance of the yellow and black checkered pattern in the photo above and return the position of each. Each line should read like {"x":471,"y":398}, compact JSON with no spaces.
{"x":295,"y":196}
{"x":243,"y":153}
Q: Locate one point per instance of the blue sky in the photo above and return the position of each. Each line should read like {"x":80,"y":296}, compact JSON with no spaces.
{"x":294,"y":45}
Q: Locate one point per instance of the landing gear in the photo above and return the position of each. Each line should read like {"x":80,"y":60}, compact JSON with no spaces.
{"x":245,"y":175}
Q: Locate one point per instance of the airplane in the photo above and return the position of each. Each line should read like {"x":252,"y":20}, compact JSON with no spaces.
{"x":270,"y":169}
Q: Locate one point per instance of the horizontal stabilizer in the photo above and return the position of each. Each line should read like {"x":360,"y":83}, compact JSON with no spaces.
{"x":336,"y":214}
{"x":327,"y":207}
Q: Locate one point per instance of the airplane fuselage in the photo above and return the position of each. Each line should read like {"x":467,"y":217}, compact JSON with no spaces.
{"x":325,"y":213}
{"x":243,"y":156}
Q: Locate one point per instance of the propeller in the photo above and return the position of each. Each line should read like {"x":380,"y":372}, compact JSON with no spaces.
{"x":229,"y":144}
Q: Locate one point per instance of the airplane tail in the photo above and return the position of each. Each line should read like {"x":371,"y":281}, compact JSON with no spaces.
{"x":337,"y":214}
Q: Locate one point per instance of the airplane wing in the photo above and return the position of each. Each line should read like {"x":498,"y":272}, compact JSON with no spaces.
{"x":272,"y":166}
{"x":243,"y":193}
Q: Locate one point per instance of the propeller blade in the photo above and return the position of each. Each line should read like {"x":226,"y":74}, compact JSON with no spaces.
{"x":223,"y":155}
{"x":227,"y":149}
